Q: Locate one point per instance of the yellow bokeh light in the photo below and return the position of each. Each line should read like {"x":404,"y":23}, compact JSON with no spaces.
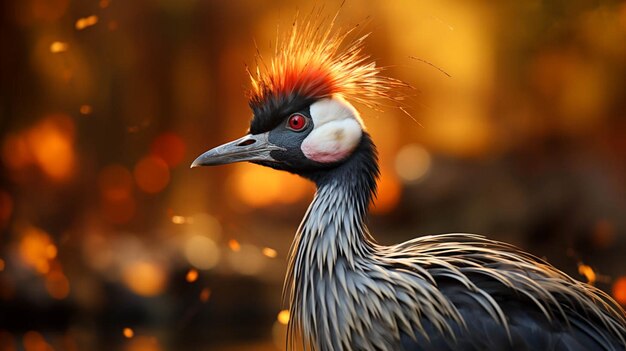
{"x":269,"y":252}
{"x":179,"y":219}
{"x":206,"y":224}
{"x":283,"y":317}
{"x":588,"y":272}
{"x":247,"y":261}
{"x":460,"y":132}
{"x":144,"y":278}
{"x":202,"y":252}
{"x":85,"y":22}
{"x":456,"y":119}
{"x":412,"y":162}
{"x":58,"y":47}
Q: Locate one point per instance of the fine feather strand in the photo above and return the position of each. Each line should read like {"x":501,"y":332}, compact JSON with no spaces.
{"x":314,"y":60}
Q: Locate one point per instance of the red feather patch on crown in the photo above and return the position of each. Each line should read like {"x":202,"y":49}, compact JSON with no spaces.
{"x":311,"y":61}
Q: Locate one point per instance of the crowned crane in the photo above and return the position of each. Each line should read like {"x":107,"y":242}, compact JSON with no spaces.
{"x":345,"y":291}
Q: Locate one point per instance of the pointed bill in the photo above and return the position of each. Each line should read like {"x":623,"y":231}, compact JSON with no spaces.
{"x":251,"y":147}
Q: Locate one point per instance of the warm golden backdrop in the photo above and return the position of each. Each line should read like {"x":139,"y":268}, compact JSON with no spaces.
{"x":109,"y":241}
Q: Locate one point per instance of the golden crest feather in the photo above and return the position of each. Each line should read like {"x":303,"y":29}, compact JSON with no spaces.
{"x":315,"y":62}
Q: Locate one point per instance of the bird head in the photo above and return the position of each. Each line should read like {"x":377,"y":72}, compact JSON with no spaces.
{"x":319,"y":134}
{"x":303,"y":118}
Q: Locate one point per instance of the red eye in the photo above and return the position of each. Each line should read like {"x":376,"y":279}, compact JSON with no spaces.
{"x":296,"y":122}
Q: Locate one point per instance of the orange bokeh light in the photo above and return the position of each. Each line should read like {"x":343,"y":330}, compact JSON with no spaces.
{"x":151,"y":174}
{"x":170,"y":148}
{"x":15,"y":152}
{"x":119,"y":211}
{"x":619,"y":290}
{"x":388,"y":196}
{"x":603,"y":234}
{"x":192,"y":275}
{"x":260,"y":186}
{"x":128,"y":333}
{"x":588,"y":272}
{"x":85,"y":109}
{"x":205,"y":294}
{"x":48,"y":10}
{"x":115,"y":182}
{"x":143,"y":343}
{"x":57,"y":284}
{"x":6,"y":208}
{"x":35,"y":249}
{"x":85,"y":22}
{"x":144,"y":278}
{"x":34,"y":341}
{"x":7,"y":341}
{"x":234,"y":245}
{"x":51,"y":144}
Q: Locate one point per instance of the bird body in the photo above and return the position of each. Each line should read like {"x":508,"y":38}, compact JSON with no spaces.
{"x":440,"y":292}
{"x":345,"y":291}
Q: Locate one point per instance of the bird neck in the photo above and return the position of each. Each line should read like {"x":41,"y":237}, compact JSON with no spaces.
{"x":333,"y":228}
{"x":332,"y":239}
{"x":355,"y":177}
{"x":338,"y":211}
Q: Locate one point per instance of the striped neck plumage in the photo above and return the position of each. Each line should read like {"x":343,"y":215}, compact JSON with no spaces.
{"x":334,"y":225}
{"x":332,"y":237}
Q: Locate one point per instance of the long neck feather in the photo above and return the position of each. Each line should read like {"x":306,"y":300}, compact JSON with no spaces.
{"x":333,"y":231}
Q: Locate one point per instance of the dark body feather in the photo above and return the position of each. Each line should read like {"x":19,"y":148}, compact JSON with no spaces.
{"x":529,"y":329}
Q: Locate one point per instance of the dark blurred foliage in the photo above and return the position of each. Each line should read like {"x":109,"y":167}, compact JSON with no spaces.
{"x":108,"y":240}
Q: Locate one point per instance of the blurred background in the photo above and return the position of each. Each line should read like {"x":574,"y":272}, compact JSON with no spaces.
{"x":110,"y":242}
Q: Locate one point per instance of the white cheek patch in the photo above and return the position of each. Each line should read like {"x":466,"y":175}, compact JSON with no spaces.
{"x":332,"y":141}
{"x":332,"y":109}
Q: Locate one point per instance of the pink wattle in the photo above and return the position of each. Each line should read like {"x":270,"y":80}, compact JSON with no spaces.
{"x":323,"y":156}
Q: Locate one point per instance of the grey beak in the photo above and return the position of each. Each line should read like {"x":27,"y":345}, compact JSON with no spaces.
{"x":251,"y":147}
